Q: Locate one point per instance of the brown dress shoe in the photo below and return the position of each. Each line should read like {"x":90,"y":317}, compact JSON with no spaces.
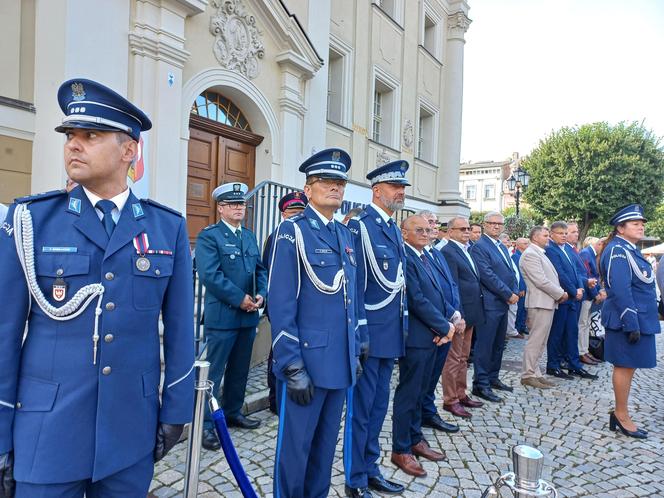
{"x":457,"y":409}
{"x":408,"y":463}
{"x":546,"y":381}
{"x":423,"y":450}
{"x":534,"y":382}
{"x":587,"y":360}
{"x":470,"y":403}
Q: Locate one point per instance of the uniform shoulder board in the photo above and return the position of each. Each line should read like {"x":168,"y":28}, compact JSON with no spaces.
{"x":209,"y":227}
{"x":39,"y":197}
{"x":161,"y":206}
{"x":297,"y":217}
{"x":361,"y":214}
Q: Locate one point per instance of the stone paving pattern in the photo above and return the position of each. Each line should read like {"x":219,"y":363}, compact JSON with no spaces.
{"x":569,"y":424}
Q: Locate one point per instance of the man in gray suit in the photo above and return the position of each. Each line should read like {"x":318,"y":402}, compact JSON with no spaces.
{"x":544,"y":294}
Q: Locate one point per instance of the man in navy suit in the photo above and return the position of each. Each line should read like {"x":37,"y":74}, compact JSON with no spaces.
{"x":229,"y":265}
{"x":463,"y":270}
{"x":500,"y":290}
{"x":428,"y":327}
{"x":520,"y":245}
{"x":381,"y":267}
{"x":430,"y":416}
{"x":83,"y":409}
{"x":563,"y":339}
{"x":595,"y":295}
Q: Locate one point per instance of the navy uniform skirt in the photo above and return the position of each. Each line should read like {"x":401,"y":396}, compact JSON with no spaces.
{"x":621,"y":353}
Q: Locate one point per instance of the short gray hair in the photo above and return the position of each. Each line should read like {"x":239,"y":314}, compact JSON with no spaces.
{"x":536,"y":230}
{"x":426,"y":214}
{"x":451,"y":223}
{"x":492,"y":214}
{"x":504,"y":236}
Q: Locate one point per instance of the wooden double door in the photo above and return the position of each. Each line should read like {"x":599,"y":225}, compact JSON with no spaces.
{"x":217,"y":154}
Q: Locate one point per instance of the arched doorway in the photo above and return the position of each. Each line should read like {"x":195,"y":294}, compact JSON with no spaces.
{"x":222,"y":148}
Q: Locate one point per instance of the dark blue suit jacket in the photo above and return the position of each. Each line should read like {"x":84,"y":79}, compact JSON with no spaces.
{"x":447,"y":283}
{"x":589,"y":260}
{"x":516,"y":257}
{"x":568,"y":274}
{"x":425,"y":302}
{"x":496,"y":274}
{"x":468,"y":281}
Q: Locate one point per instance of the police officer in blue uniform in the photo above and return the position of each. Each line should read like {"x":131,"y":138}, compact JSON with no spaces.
{"x":381,"y":270}
{"x":315,"y":336}
{"x":289,"y":205}
{"x":91,"y":271}
{"x":229,"y":265}
{"x":629,"y":313}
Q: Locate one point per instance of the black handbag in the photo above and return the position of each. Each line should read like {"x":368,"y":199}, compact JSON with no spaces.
{"x":596,"y":340}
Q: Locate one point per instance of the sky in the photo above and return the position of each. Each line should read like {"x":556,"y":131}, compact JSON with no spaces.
{"x":534,"y":66}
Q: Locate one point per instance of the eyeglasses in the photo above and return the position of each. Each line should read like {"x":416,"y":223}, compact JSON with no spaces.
{"x":494,"y":223}
{"x":461,"y":229}
{"x":234,"y":205}
{"x":330,"y":182}
{"x":421,"y":231}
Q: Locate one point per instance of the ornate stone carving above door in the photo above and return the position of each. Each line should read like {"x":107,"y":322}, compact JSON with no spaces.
{"x":238,"y":43}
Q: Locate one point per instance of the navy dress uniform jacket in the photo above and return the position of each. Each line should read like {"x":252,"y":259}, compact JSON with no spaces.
{"x":319,"y":329}
{"x":496,"y":274}
{"x":65,"y":418}
{"x":468,"y":281}
{"x":386,"y":335}
{"x":229,"y":269}
{"x":631,"y":302}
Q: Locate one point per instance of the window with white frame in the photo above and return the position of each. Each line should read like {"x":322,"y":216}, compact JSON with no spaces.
{"x":429,"y":41}
{"x":470,"y":192}
{"x":391,"y":7}
{"x":431,"y":31}
{"x":427,"y":132}
{"x":489,"y":191}
{"x":385,"y":109}
{"x":335,"y":87}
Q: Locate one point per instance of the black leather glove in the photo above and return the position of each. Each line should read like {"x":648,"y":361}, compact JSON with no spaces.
{"x":167,"y":436}
{"x":359,"y":370}
{"x":364,"y":352}
{"x":7,"y":482}
{"x":634,"y":337}
{"x":299,"y":387}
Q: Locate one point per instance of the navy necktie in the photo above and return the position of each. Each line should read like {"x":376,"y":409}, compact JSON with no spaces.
{"x":427,"y":265}
{"x":106,"y":207}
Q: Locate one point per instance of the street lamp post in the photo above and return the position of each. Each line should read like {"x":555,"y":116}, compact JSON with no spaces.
{"x":518,"y":181}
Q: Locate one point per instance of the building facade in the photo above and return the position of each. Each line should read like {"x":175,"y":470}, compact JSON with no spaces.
{"x":242,"y":90}
{"x":483,"y":187}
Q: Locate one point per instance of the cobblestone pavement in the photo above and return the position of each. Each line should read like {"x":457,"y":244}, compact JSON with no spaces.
{"x":569,"y":424}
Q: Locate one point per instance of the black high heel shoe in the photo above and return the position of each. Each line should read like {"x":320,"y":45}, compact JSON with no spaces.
{"x":614,"y":422}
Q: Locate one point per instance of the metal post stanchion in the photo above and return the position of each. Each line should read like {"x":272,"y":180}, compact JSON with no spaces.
{"x":525,"y":480}
{"x":196,"y":430}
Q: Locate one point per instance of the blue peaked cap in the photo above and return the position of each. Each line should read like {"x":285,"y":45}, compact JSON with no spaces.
{"x":392,"y":172}
{"x":93,"y":106}
{"x":328,"y":163}
{"x":628,"y":213}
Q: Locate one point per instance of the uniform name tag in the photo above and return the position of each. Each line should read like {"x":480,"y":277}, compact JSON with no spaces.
{"x":323,"y":251}
{"x":230,"y":245}
{"x":59,"y":249}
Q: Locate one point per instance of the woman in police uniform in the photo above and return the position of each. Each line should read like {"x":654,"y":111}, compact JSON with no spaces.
{"x":629,"y":313}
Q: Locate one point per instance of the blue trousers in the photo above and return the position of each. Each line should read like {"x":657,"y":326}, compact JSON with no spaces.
{"x":489,"y":348}
{"x":414,"y":376}
{"x":370,"y":399}
{"x":564,"y":338}
{"x":132,"y":482}
{"x":428,"y":406}
{"x":306,"y":443}
{"x":229,"y":354}
{"x":521,"y":315}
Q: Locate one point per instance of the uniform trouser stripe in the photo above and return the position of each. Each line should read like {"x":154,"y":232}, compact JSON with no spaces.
{"x":282,"y":417}
{"x":348,"y":434}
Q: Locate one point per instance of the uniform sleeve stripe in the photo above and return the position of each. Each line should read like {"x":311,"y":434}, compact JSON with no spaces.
{"x":626,"y":310}
{"x":8,"y":405}
{"x":283,"y":333}
{"x":181,"y":378}
{"x":363,"y":321}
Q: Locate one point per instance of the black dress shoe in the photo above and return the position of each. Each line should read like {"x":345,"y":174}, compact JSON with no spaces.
{"x":210,"y":440}
{"x":584,"y":374}
{"x":357,"y":492}
{"x":243,"y":422}
{"x":614,"y":422}
{"x":501,"y":386}
{"x":557,"y":372}
{"x":487,"y":394}
{"x":439,"y":424}
{"x":382,"y":485}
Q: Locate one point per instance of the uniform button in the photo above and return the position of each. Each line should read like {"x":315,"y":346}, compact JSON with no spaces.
{"x":109,"y":276}
{"x":59,"y":272}
{"x":108,"y":338}
{"x":306,"y":344}
{"x":110,"y":306}
{"x":349,"y":320}
{"x":157,"y":272}
{"x":106,"y":370}
{"x":19,"y":405}
{"x":322,"y":263}
{"x":349,"y":301}
{"x":343,"y":264}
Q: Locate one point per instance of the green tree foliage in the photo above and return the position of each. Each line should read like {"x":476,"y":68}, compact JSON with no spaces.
{"x":518,"y":226}
{"x":526,"y":212}
{"x":655,"y":225}
{"x":477,"y":217}
{"x":586,"y":173}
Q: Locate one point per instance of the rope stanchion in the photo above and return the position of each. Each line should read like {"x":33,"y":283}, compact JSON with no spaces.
{"x":196,"y":430}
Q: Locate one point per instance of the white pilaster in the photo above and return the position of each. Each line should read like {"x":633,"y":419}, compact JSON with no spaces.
{"x":448,"y":177}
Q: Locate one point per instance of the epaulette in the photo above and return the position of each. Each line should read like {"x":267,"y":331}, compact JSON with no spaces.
{"x":210,"y":226}
{"x":297,"y":217}
{"x":362,"y":214}
{"x":39,"y":197}
{"x":165,"y":208}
